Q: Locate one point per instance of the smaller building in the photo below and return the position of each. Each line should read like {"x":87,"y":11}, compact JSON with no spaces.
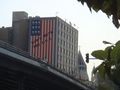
{"x":5,"y":34}
{"x":20,"y":34}
{"x":82,"y":68}
{"x":20,"y":30}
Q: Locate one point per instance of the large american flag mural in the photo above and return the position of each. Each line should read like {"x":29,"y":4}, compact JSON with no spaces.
{"x":41,"y":38}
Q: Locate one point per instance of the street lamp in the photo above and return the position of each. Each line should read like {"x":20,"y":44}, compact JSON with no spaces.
{"x":106,"y":42}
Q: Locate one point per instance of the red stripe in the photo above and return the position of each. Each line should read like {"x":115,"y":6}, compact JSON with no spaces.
{"x":40,"y":37}
{"x":39,"y":48}
{"x":35,"y":54}
{"x":33,"y":43}
{"x":47,"y":39}
{"x":50,"y":52}
{"x":43,"y":39}
{"x":32,"y":46}
{"x":51,"y":39}
{"x":42,"y":27}
{"x":49,"y":43}
{"x":36,"y":46}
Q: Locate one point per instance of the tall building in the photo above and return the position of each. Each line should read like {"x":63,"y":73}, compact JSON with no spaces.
{"x":82,"y":68}
{"x":55,"y":42}
{"x":20,"y":30}
{"x":49,"y":39}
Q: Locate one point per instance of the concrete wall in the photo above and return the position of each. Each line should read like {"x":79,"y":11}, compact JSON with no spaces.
{"x":18,"y":15}
{"x":20,"y":34}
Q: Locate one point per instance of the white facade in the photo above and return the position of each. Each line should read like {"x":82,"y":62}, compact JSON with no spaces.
{"x":67,"y":47}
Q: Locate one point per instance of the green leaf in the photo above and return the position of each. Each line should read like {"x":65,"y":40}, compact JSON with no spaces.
{"x":118,"y":43}
{"x":118,"y":9}
{"x":109,"y":7}
{"x":95,"y":8}
{"x":106,"y":7}
{"x":99,"y":54}
{"x":108,"y":51}
{"x":98,"y":67}
{"x":115,"y":76}
{"x":111,"y":62}
{"x":105,"y":86}
{"x":102,"y":71}
{"x":115,"y":54}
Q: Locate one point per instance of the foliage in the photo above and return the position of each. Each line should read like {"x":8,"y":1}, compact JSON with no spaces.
{"x":109,"y":7}
{"x":105,"y":86}
{"x":110,"y":66}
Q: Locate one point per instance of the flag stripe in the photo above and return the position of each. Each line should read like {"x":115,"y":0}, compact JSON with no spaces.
{"x":47,"y":38}
{"x":42,"y":39}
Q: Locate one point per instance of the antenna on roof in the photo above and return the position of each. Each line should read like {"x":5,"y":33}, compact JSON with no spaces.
{"x":56,"y":14}
{"x":70,"y":23}
{"x":79,"y":48}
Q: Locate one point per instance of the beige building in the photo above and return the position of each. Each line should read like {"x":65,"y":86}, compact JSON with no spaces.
{"x":20,"y":34}
{"x":20,"y":30}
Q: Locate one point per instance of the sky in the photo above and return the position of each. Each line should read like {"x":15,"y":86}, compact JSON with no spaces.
{"x":93,"y":27}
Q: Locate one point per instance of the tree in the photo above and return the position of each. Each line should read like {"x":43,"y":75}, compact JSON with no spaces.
{"x":110,"y":67}
{"x":109,"y":7}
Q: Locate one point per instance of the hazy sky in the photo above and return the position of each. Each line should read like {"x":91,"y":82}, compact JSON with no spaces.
{"x":93,"y":27}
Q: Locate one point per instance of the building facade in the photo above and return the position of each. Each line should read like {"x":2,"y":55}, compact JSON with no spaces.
{"x":20,"y":30}
{"x":66,"y":47}
{"x":6,"y":34}
{"x":49,"y":39}
{"x":55,"y":42}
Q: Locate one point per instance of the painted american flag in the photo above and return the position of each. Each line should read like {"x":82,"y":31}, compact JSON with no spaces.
{"x":35,"y":38}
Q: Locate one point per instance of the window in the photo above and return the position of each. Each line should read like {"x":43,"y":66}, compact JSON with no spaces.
{"x":61,"y":33}
{"x":67,"y":37}
{"x":64,"y":27}
{"x":33,"y":32}
{"x":63,"y":43}
{"x":38,"y":32}
{"x":38,"y":27}
{"x":67,"y":29}
{"x":35,"y":22}
{"x":32,"y":27}
{"x":38,"y":22}
{"x":32,"y":22}
{"x":35,"y":27}
{"x":60,"y":49}
{"x":61,"y":25}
